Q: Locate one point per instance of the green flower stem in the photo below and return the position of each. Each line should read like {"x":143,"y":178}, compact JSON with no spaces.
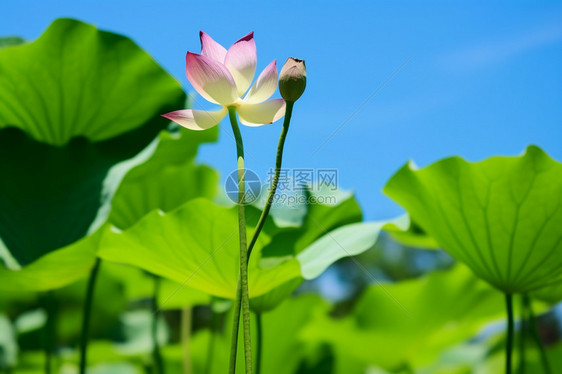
{"x":259,"y":345}
{"x":535,"y":334}
{"x":509,"y":342}
{"x":186,"y":315}
{"x":275,"y":181}
{"x":86,"y":315}
{"x":158,"y":363}
{"x":243,"y":281}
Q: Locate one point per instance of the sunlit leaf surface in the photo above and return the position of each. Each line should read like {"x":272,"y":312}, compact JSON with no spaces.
{"x":501,"y":216}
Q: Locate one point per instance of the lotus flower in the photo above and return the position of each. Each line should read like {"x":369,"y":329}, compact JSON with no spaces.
{"x":222,"y":77}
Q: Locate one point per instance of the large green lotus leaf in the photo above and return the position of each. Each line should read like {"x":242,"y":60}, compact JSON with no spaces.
{"x":197,"y":246}
{"x":500,"y":216}
{"x":90,"y":83}
{"x":412,"y":321}
{"x":55,"y":269}
{"x":166,"y":180}
{"x":94,"y":100}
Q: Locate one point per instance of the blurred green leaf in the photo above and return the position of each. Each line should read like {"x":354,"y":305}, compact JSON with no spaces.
{"x":137,"y":331}
{"x":8,"y":344}
{"x":500,"y":216}
{"x":409,"y":233}
{"x":115,"y":368}
{"x":9,"y":41}
{"x":412,"y":321}
{"x":30,"y":321}
{"x":283,"y":347}
{"x":108,"y":304}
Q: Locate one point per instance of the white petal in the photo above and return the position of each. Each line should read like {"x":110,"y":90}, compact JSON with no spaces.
{"x":261,"y":114}
{"x":211,"y":79}
{"x":197,"y":119}
{"x":264,"y":86}
{"x":241,"y":60}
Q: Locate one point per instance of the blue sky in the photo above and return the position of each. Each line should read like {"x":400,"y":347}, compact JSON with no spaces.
{"x":387,"y":81}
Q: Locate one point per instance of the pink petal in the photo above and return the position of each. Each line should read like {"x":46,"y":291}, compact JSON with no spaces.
{"x":197,"y":119}
{"x":264,"y":86}
{"x":241,"y":60}
{"x":261,"y":114}
{"x":211,"y":49}
{"x":211,"y":79}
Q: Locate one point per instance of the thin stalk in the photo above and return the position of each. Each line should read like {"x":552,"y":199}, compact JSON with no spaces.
{"x":156,"y":354}
{"x":275,"y":181}
{"x":244,"y":295}
{"x":509,"y":342}
{"x":523,"y":337}
{"x":85,"y":334}
{"x":535,"y":334}
{"x":259,"y":345}
{"x":186,"y":314}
